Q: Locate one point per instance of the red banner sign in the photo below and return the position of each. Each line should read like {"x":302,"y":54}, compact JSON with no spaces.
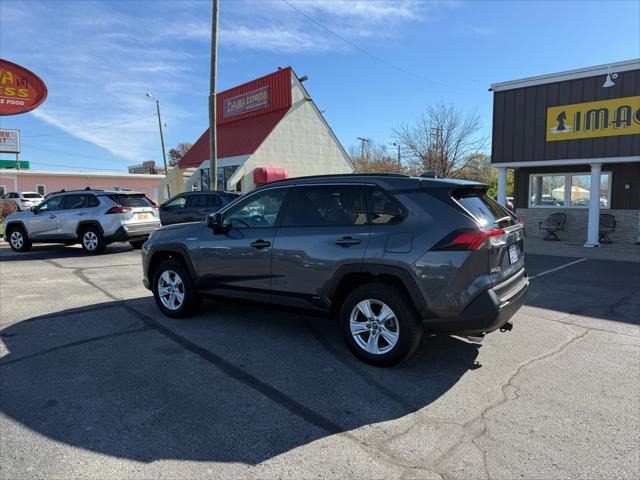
{"x":20,"y":90}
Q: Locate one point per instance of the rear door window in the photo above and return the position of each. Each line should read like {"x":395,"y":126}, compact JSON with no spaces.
{"x":203,"y":201}
{"x":488,"y":212}
{"x":383,"y":208}
{"x":125,"y":200}
{"x":327,"y":205}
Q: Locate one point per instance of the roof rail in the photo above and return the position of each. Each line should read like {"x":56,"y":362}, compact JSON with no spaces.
{"x":337,"y":175}
{"x":429,"y":174}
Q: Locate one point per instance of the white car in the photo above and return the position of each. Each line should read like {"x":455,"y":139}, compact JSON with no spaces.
{"x":24,"y":200}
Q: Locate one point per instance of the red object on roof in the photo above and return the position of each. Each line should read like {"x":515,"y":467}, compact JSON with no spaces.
{"x":242,"y":133}
{"x":262,"y":175}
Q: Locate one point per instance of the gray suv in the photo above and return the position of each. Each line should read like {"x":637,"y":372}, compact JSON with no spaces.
{"x":94,"y":218}
{"x":390,"y":256}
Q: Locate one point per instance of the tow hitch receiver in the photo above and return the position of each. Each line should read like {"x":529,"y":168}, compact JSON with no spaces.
{"x":507,"y":327}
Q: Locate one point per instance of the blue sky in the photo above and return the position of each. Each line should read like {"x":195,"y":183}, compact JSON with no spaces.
{"x":99,"y":58}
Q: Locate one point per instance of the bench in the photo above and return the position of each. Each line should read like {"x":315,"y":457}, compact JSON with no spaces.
{"x":553,"y":225}
{"x":607,"y":226}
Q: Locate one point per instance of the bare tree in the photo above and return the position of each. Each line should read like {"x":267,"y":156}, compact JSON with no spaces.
{"x":376,"y":159}
{"x":176,"y":154}
{"x":443,"y":139}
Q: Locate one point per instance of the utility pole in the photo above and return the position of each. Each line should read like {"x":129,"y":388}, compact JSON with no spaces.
{"x":164,"y":153}
{"x":363,"y":140}
{"x":213,"y":134}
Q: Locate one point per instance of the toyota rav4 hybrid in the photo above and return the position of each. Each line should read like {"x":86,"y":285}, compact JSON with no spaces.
{"x":389,"y":256}
{"x":94,"y":218}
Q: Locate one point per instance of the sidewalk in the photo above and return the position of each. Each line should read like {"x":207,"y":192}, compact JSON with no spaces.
{"x":620,"y":252}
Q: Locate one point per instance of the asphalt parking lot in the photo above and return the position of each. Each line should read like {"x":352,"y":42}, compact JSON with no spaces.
{"x":94,"y":382}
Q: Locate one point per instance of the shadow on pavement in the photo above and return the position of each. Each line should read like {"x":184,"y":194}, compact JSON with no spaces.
{"x":233,"y":384}
{"x":58,"y":251}
{"x":595,"y":288}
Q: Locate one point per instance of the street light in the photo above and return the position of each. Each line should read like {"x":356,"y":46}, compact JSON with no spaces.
{"x":164,"y":153}
{"x":399,"y":167}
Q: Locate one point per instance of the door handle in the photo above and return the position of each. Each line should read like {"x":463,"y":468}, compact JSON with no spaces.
{"x":260,"y":244}
{"x":347,"y":242}
{"x":81,"y":213}
{"x":52,"y":216}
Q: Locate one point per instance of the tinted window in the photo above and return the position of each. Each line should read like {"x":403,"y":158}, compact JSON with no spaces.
{"x":488,"y":212}
{"x":54,"y":203}
{"x":31,"y":195}
{"x":383,"y":208}
{"x":330,"y":205}
{"x":202,"y":201}
{"x":256,"y":211}
{"x":176,"y":203}
{"x":131,"y":200}
{"x":80,"y":201}
{"x":12,"y":195}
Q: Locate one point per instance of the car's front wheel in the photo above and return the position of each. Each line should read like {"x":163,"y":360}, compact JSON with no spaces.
{"x":174,"y":290}
{"x":379,"y":324}
{"x":18,"y":239}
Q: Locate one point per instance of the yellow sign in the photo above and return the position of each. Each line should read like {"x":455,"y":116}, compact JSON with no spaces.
{"x":605,"y":118}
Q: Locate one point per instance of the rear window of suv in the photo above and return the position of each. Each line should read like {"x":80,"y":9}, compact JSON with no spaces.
{"x":31,"y":195}
{"x":131,"y":200}
{"x":489,"y":213}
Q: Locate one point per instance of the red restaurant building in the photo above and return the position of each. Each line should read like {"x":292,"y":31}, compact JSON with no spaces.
{"x":267,"y":129}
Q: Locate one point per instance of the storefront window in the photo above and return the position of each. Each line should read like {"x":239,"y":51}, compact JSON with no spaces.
{"x":547,"y":190}
{"x":224,"y":174}
{"x":567,"y":190}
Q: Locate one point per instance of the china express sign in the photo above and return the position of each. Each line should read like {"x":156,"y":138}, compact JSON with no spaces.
{"x":604,"y":118}
{"x":246,"y":102}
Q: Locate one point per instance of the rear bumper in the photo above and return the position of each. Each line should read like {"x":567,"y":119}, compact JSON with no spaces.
{"x":489,"y":311}
{"x":133,"y":232}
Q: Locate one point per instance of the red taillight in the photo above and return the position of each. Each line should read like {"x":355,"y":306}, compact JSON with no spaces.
{"x":474,"y":239}
{"x":119,"y":210}
{"x":24,"y":200}
{"x":155,"y":207}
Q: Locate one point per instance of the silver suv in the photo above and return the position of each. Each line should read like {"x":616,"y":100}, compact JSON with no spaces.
{"x":94,"y":218}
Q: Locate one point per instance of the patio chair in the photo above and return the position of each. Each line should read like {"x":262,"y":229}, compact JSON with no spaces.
{"x":553,"y":225}
{"x":607,"y":226}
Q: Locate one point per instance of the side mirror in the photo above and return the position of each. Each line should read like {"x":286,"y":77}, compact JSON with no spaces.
{"x":163,"y":207}
{"x":214,"y":222}
{"x":34,"y":209}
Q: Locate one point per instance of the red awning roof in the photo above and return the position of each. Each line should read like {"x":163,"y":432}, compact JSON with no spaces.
{"x":242,"y":134}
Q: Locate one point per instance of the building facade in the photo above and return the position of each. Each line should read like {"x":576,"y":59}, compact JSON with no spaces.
{"x":267,"y":129}
{"x":573,"y":140}
{"x":48,"y":182}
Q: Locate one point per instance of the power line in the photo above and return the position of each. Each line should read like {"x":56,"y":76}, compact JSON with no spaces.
{"x":75,"y":166}
{"x":86,"y":157}
{"x":362,"y":50}
{"x":71,"y":132}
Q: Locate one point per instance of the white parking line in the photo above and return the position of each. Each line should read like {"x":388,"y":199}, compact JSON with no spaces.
{"x":557,"y":268}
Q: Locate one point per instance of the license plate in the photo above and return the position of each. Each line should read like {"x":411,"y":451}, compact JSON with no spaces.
{"x":143,"y":216}
{"x":513,"y":253}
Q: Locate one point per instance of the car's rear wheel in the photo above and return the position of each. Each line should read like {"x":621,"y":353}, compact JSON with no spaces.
{"x":174,"y":290}
{"x":18,"y":239}
{"x":92,"y":240}
{"x":379,"y":324}
{"x":137,"y":244}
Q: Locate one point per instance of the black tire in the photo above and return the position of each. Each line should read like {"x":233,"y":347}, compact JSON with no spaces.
{"x":406,"y":323}
{"x":137,"y":244}
{"x":18,"y":239}
{"x":92,"y":240}
{"x":191,"y":299}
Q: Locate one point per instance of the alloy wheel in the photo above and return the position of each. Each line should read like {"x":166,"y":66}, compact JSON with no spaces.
{"x":374,"y":326}
{"x":171,"y":290}
{"x":17,"y":240}
{"x":90,"y":240}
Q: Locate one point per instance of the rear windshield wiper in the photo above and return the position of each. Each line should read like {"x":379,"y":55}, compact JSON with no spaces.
{"x":508,"y":217}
